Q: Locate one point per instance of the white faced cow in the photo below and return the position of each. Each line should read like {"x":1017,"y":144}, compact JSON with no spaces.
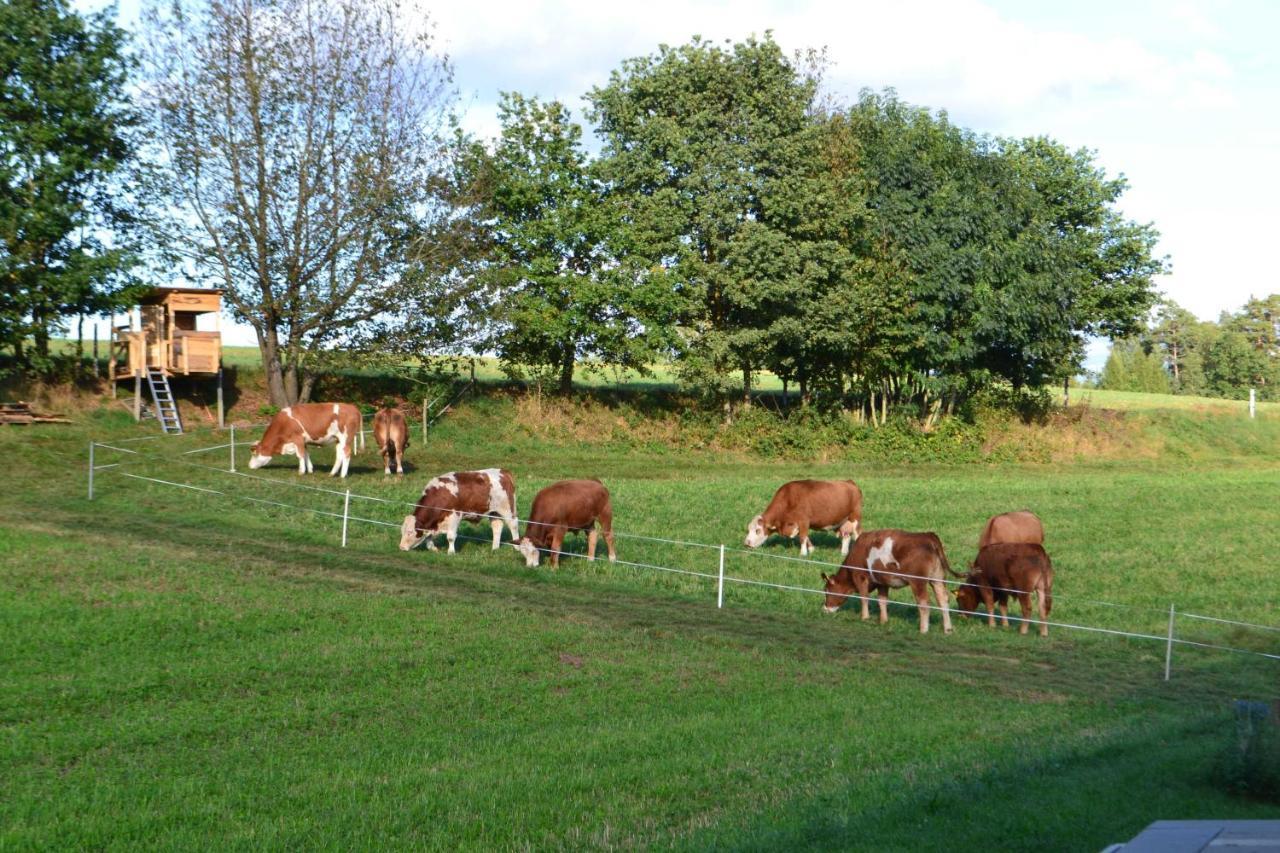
{"x":459,"y":496}
{"x":294,"y":427}
{"x":564,"y":507}
{"x":391,"y":435}
{"x":802,"y":504}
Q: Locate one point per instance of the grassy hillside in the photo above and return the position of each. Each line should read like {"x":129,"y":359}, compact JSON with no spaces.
{"x":188,"y":668}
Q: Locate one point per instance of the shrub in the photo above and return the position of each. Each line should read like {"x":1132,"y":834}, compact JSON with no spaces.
{"x":1250,"y":764}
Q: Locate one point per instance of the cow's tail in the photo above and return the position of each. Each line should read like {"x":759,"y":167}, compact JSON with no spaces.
{"x":942,"y":558}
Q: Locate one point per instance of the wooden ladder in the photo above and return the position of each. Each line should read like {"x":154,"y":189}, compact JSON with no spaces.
{"x":166,"y":408}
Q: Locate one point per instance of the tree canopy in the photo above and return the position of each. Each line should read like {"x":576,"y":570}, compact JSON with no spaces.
{"x":65,"y":131}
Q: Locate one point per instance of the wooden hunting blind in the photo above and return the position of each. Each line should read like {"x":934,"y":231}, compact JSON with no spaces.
{"x":161,"y":340}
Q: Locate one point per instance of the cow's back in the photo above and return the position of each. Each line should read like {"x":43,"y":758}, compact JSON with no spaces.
{"x":917,"y":554}
{"x":821,"y":502}
{"x":1021,"y":526}
{"x":572,"y":503}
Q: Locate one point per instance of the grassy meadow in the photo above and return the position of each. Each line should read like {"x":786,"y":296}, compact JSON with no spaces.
{"x":191,"y":668}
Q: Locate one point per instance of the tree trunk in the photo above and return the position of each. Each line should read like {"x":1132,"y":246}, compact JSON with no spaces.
{"x":307,"y":387}
{"x":269,"y":347}
{"x":746,"y":385}
{"x":566,"y":370}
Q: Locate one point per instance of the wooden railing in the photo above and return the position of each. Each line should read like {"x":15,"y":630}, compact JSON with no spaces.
{"x":188,"y":352}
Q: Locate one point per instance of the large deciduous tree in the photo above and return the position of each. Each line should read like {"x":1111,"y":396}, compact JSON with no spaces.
{"x":298,"y":145}
{"x":560,"y":286}
{"x":65,"y":131}
{"x":699,"y":138}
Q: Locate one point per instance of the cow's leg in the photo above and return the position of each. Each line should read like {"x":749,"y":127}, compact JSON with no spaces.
{"x":399,"y":459}
{"x":806,"y":546}
{"x":990,"y":600}
{"x":349,"y":450}
{"x":608,"y":541}
{"x":592,"y":536}
{"x":1004,"y":611}
{"x":882,"y":598}
{"x":496,"y":524}
{"x":311,"y":465}
{"x":304,"y":464}
{"x":1024,"y":599}
{"x":940,"y":596}
{"x":451,"y":523}
{"x":337,"y":456}
{"x":386,"y":462}
{"x":921,"y":593}
{"x":862,"y":587}
{"x":557,"y":540}
{"x":1044,"y":613}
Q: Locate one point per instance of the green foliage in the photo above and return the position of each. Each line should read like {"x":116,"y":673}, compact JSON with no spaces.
{"x":1232,"y":366}
{"x":65,"y":130}
{"x":1130,"y":367}
{"x":558,"y":288}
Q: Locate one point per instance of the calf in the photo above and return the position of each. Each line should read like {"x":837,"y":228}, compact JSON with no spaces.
{"x":294,"y":427}
{"x":461,"y":495}
{"x":563,"y":507}
{"x":1020,"y":526}
{"x":802,"y":504}
{"x":887,"y":559}
{"x":1009,"y":568}
{"x":391,"y":435}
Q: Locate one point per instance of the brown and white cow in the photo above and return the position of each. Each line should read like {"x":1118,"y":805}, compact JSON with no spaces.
{"x":459,"y":496}
{"x":1009,"y":568}
{"x":889,"y":559}
{"x":801,"y":504}
{"x":569,"y":505}
{"x":391,"y":435}
{"x":1019,"y":526}
{"x":294,"y":427}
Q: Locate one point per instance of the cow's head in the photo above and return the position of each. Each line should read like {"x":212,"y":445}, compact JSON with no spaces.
{"x":838,"y":591}
{"x":257,"y":457}
{"x":967,"y":597}
{"x":410,"y":536}
{"x":756,"y":532}
{"x":527,"y":550}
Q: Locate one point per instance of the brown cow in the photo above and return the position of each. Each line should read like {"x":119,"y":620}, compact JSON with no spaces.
{"x":1020,"y":526}
{"x":563,"y":507}
{"x":802,"y":504}
{"x":887,"y":559}
{"x":294,"y":427}
{"x":391,"y":435}
{"x":1009,"y":568}
{"x":451,"y":498}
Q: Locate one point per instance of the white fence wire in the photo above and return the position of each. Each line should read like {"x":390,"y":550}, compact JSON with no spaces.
{"x":721,"y":578}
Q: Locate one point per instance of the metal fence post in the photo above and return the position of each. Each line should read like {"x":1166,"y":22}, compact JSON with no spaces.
{"x":346,"y":509}
{"x":1168,"y":651}
{"x":91,"y":470}
{"x":720,"y":582}
{"x":233,"y":449}
{"x":1253,"y":402}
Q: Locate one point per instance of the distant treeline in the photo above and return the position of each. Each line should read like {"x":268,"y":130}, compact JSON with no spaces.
{"x":1181,"y":354}
{"x":735,"y":216}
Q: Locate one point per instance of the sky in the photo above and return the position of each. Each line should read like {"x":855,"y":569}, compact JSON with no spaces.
{"x":1180,"y":97}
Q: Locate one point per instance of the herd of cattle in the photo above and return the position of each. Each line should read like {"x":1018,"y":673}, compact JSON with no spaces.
{"x":1011,"y":559}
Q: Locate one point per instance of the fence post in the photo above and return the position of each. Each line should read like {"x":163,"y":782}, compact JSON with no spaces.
{"x":1168,"y":652}
{"x":1253,"y":405}
{"x":233,"y":448}
{"x":346,"y":509}
{"x":426,"y":408}
{"x":720,"y":583}
{"x":91,"y":470}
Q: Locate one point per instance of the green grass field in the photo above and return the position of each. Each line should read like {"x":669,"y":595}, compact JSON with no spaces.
{"x":183,"y":668}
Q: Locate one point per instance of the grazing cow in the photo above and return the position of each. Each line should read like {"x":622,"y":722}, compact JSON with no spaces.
{"x":1020,"y":526}
{"x":391,"y":435}
{"x":802,"y":504}
{"x":294,"y":427}
{"x":451,"y":498}
{"x":563,"y":507}
{"x":1009,"y":568}
{"x":887,"y":559}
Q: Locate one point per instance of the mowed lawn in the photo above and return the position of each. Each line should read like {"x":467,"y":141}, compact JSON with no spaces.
{"x":187,"y":668}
